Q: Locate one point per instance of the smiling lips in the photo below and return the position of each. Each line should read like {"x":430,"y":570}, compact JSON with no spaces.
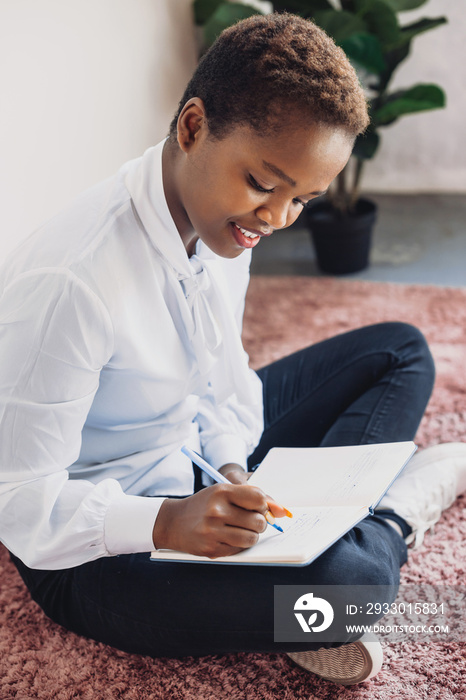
{"x":248,"y":239}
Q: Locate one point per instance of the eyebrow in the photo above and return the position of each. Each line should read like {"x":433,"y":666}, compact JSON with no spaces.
{"x":283,"y":176}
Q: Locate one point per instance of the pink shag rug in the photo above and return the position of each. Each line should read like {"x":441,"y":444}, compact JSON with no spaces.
{"x":38,"y":659}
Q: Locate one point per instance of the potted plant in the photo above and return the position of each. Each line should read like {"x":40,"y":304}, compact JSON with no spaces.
{"x":370,"y":33}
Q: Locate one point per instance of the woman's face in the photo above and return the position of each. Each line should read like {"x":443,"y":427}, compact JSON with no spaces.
{"x":236,"y":190}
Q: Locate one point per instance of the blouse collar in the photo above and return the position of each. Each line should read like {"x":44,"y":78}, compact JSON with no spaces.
{"x":205,"y":308}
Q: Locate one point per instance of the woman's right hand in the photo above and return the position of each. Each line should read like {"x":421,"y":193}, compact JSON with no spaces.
{"x":218,"y":521}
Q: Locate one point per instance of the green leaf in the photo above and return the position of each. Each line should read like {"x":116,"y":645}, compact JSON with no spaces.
{"x":362,"y":6}
{"x":401,"y":51}
{"x":366,"y":145}
{"x":348,"y":5}
{"x":380,"y":20}
{"x":393,"y":59}
{"x":366,"y":51}
{"x":203,"y":9}
{"x":225,"y":15}
{"x":402,"y":5}
{"x":305,"y":8}
{"x":423,"y":25}
{"x":339,"y":24}
{"x":419,"y":98}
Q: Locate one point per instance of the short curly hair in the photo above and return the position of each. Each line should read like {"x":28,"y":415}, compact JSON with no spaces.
{"x":267,"y":69}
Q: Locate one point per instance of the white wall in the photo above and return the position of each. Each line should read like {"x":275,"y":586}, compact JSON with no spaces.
{"x":426,"y":152}
{"x":88,"y":84}
{"x":85,"y":86}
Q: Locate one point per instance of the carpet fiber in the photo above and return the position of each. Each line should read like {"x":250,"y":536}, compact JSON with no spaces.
{"x":40,"y":660}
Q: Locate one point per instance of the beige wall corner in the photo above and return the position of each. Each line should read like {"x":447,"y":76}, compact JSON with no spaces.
{"x":86,"y":86}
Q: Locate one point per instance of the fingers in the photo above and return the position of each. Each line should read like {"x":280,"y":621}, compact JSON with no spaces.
{"x":250,"y":498}
{"x":236,"y":475}
{"x":253,"y":499}
{"x":218,"y":521}
{"x":239,"y":508}
{"x":276,"y":509}
{"x":224,"y":540}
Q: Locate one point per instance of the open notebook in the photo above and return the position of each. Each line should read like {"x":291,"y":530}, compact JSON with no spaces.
{"x":328,"y":489}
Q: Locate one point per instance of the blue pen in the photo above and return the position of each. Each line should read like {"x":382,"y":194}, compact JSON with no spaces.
{"x":216,"y":476}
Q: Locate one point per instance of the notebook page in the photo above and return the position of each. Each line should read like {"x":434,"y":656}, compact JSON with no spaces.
{"x":357,"y":475}
{"x":309,"y":532}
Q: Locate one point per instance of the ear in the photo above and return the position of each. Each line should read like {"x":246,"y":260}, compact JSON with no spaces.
{"x":192,"y":124}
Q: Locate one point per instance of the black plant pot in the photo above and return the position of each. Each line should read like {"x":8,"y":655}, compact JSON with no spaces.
{"x":342,"y":242}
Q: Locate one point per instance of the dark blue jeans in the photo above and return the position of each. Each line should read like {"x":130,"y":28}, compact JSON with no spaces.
{"x":366,"y":386}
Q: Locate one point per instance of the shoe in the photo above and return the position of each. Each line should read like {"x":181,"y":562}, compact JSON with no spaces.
{"x":347,"y":665}
{"x":428,"y":485}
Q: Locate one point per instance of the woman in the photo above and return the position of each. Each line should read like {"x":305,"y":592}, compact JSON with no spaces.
{"x":120,"y":338}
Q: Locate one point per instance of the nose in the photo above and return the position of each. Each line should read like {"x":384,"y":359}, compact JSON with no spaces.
{"x":276,"y":215}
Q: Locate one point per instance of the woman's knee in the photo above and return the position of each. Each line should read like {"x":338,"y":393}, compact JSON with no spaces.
{"x":410,"y":348}
{"x":409,"y":339}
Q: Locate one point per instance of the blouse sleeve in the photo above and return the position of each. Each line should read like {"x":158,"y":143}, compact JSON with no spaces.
{"x":55,"y":336}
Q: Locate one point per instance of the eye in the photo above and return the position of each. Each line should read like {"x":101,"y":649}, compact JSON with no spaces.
{"x":258,"y":187}
{"x":253,"y":182}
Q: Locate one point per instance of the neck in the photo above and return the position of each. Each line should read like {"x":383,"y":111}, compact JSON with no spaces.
{"x":172,"y":163}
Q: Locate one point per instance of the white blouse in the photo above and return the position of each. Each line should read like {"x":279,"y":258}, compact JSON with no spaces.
{"x":115,"y":350}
